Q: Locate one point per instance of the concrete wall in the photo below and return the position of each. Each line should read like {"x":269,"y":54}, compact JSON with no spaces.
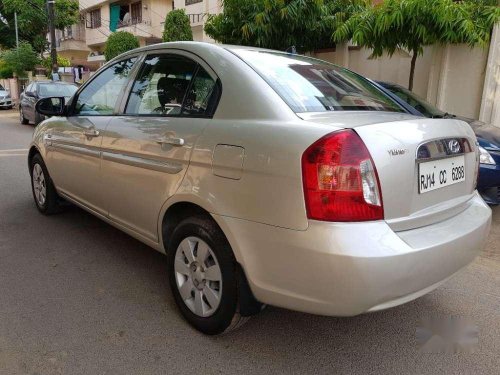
{"x":490,"y":104}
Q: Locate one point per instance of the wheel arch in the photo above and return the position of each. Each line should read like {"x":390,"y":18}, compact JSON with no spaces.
{"x":177,"y":211}
{"x":31,"y":153}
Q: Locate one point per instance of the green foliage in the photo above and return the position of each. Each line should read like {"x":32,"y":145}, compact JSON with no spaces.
{"x":177,"y":26}
{"x":61,"y":62}
{"x":20,"y":60}
{"x":5,"y":71}
{"x":280,"y":24}
{"x":118,"y":43}
{"x":32,"y":21}
{"x":412,"y":24}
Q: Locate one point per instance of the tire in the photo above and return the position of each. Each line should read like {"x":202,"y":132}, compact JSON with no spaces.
{"x":23,"y":120}
{"x":192,"y":286}
{"x":44,"y":193}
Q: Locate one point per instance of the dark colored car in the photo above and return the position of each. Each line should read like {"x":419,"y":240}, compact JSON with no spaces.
{"x":37,"y":90}
{"x":488,"y":137}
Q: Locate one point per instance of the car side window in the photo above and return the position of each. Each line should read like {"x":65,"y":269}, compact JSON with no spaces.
{"x":100,"y":96}
{"x":170,"y":85}
{"x":200,"y":93}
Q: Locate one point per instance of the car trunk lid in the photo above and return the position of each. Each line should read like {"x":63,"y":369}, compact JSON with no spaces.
{"x":394,"y":141}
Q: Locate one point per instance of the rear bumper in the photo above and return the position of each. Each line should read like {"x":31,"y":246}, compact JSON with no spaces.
{"x":345,"y":269}
{"x":489,"y":183}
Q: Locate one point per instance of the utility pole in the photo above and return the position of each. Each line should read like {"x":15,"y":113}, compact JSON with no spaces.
{"x":52,"y":31}
{"x":17,"y":31}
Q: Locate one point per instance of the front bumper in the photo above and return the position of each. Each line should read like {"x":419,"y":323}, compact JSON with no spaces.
{"x":345,"y":269}
{"x":5,"y":103}
{"x":489,"y":183}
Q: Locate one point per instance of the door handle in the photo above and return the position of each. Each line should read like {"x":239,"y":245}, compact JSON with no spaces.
{"x":91,"y":133}
{"x":170,"y":141}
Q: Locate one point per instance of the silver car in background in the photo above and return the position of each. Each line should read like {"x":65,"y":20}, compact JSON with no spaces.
{"x":266,"y":178}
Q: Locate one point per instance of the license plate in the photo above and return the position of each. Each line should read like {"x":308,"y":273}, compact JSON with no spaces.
{"x":436,"y":174}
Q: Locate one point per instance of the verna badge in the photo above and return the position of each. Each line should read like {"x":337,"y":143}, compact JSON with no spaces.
{"x":397,"y":151}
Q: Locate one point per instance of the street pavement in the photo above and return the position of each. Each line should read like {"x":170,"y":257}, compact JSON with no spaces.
{"x":77,"y":296}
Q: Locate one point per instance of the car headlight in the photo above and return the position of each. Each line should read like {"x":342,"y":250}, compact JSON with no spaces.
{"x":485,"y":157}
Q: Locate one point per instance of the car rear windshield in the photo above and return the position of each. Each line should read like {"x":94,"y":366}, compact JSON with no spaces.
{"x":311,"y":85}
{"x":56,"y":89}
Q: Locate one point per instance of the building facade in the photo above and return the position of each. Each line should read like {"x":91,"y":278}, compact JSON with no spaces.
{"x":144,"y":19}
{"x":198,"y":11}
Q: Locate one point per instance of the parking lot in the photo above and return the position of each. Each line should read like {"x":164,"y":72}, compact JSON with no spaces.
{"x":78,"y":296}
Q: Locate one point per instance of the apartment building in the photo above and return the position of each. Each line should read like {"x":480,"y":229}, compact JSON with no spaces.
{"x":144,"y":19}
{"x":71,"y":44}
{"x":197,"y":11}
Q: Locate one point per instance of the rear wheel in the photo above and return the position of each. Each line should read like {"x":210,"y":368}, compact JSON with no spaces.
{"x":23,"y":120}
{"x":46,"y":199}
{"x":203,"y":276}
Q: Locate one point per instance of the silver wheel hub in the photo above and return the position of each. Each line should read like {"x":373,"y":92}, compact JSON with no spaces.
{"x":39,"y":185}
{"x":198,"y":276}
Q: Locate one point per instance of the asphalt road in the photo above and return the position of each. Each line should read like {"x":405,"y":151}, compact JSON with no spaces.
{"x":79,"y":297}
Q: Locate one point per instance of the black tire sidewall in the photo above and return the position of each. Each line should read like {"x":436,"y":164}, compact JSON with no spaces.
{"x":51,"y":199}
{"x":208,"y":231}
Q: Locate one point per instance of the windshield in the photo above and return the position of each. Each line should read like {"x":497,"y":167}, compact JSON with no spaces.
{"x":51,"y":89}
{"x":311,"y":85}
{"x":1,"y":88}
{"x":426,"y":109}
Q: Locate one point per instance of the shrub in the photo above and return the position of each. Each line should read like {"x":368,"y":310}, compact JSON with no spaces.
{"x":118,"y":43}
{"x":20,"y":60}
{"x":177,"y":26}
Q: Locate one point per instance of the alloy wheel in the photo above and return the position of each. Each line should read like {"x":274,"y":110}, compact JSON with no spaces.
{"x":39,"y":185}
{"x":198,"y":276}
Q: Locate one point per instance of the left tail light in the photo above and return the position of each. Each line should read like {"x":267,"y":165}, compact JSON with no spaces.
{"x":340,"y":180}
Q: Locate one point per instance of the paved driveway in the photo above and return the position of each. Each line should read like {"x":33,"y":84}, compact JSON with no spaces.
{"x":79,"y":297}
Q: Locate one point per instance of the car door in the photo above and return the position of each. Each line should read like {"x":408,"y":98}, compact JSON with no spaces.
{"x":29,"y":101}
{"x":75,"y":146}
{"x":146,"y":150}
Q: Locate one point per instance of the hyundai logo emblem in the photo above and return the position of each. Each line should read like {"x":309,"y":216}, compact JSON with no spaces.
{"x":454,"y":146}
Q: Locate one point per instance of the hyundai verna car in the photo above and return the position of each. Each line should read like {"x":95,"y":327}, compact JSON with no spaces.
{"x":488,"y":137}
{"x":266,"y":178}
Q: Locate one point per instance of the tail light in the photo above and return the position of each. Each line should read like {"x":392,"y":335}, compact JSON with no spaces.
{"x":340,"y":180}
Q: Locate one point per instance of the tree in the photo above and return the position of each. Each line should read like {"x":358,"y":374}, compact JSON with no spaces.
{"x":118,"y":43}
{"x":32,"y":21}
{"x":20,"y":60}
{"x":177,"y":26}
{"x":280,"y":24}
{"x":412,"y":24}
{"x":61,"y":62}
{"x":5,"y":71}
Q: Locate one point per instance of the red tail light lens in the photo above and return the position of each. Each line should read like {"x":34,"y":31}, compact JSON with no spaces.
{"x":340,"y":180}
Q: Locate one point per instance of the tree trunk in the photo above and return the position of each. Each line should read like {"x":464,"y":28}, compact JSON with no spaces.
{"x":412,"y":69}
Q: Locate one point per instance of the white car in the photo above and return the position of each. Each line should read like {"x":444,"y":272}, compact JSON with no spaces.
{"x":266,"y":178}
{"x":5,"y":98}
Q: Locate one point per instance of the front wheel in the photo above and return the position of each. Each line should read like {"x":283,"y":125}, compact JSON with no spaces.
{"x":203,"y":276}
{"x":46,"y":199}
{"x":23,"y":119}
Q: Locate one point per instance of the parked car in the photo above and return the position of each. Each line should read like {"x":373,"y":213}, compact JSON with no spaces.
{"x":266,"y":178}
{"x":37,"y":90}
{"x":488,"y":137}
{"x":5,"y":99}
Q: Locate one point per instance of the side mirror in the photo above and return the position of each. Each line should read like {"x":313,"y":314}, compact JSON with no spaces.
{"x":29,"y":93}
{"x":53,"y":106}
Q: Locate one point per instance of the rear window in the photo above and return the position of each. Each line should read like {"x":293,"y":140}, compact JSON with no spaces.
{"x":47,"y":89}
{"x":311,"y":85}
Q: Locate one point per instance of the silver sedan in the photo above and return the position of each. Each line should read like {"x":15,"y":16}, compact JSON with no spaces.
{"x":266,"y":178}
